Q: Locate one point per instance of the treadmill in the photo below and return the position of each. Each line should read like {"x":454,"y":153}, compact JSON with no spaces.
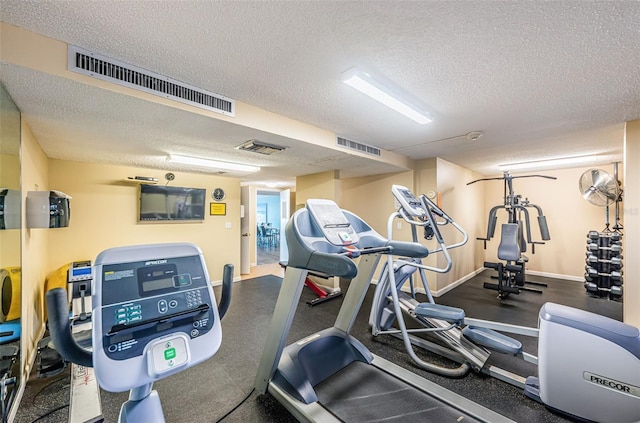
{"x":330,"y":376}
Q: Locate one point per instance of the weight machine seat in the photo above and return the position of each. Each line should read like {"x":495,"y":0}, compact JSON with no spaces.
{"x":509,"y":249}
{"x":438,"y":311}
{"x":493,"y":340}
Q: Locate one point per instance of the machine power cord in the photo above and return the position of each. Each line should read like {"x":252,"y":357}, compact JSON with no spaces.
{"x":236,"y":407}
{"x":50,"y":412}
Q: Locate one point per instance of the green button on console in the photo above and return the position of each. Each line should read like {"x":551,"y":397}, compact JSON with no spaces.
{"x":169,"y":353}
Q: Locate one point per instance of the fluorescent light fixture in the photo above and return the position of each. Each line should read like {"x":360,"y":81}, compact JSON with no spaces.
{"x":195,"y":161}
{"x":364,"y":83}
{"x":563,"y":161}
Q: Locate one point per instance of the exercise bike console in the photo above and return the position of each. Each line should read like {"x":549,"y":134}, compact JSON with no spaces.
{"x":154,"y":314}
{"x":156,"y":310}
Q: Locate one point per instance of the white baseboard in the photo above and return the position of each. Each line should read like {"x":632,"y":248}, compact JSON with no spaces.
{"x":459,"y":282}
{"x":219,"y":281}
{"x":555,"y":275}
{"x":420,"y":289}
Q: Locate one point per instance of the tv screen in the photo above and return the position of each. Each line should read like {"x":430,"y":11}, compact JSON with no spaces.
{"x":163,"y":203}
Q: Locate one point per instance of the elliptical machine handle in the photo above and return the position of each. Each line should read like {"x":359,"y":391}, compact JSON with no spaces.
{"x":225,"y":296}
{"x":58,"y":310}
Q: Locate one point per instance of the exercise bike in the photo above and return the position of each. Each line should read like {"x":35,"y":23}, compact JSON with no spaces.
{"x":154,"y":315}
{"x":603,"y":385}
{"x":513,"y":243}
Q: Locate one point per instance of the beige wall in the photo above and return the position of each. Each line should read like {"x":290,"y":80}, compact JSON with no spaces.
{"x":318,"y":185}
{"x":104,"y":215}
{"x":464,"y":204}
{"x":9,"y":239}
{"x":631,"y":240}
{"x":35,"y":248}
{"x":370,"y":198}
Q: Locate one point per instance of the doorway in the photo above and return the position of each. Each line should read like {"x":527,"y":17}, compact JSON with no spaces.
{"x":268,"y":227}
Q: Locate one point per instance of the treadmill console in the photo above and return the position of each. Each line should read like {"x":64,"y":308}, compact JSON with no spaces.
{"x":409,"y":203}
{"x":334,"y":225}
{"x":155,"y":314}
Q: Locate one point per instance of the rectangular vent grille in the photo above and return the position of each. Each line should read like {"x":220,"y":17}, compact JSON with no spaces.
{"x":100,"y":67}
{"x":359,"y":146}
{"x":260,"y":147}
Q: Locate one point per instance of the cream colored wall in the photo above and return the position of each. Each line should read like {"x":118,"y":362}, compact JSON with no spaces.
{"x":569,"y":218}
{"x":9,"y":239}
{"x":318,"y":185}
{"x":35,"y":248}
{"x":631,"y":240}
{"x":464,"y":204}
{"x":370,"y":198}
{"x":425,"y":176}
{"x":104,"y":215}
{"x":425,"y":179}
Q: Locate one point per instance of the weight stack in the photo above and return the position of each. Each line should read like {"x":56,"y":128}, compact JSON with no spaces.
{"x":603,"y":271}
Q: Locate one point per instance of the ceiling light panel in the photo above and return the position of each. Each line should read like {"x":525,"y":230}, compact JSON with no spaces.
{"x":366,"y":84}
{"x":213,"y":164}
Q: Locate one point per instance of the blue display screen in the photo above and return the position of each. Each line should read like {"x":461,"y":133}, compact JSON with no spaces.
{"x":81,"y":271}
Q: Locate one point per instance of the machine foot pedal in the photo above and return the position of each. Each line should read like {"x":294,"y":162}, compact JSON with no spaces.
{"x":438,"y":311}
{"x":493,"y":340}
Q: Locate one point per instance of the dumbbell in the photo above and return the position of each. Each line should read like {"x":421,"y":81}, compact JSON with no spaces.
{"x":615,"y":236}
{"x":593,"y":235}
{"x":592,"y":246}
{"x":591,"y":287}
{"x":591,"y":259}
{"x":616,"y":276}
{"x":616,"y":291}
{"x":591,"y":273}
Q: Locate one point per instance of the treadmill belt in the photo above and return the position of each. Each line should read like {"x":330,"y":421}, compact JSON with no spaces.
{"x":362,"y":393}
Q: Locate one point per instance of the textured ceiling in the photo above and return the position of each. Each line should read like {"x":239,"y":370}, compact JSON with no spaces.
{"x":540,"y":79}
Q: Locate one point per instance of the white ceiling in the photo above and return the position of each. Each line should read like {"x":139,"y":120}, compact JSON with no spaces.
{"x":540,"y":79}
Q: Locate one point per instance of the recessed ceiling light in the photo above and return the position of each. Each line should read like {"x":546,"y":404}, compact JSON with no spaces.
{"x":561,"y":161}
{"x":214,"y":164}
{"x":364,"y":83}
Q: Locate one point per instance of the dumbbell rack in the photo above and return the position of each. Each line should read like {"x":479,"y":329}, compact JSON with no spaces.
{"x":603,"y":276}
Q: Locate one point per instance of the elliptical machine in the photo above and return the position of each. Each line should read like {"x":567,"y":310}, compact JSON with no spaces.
{"x":154,"y":315}
{"x":602,"y":386}
{"x":513,"y":244}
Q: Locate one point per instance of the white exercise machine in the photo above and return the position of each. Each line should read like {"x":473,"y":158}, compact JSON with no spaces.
{"x":154,"y":315}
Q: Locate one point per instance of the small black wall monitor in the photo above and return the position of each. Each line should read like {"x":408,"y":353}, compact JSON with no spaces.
{"x":168,"y":203}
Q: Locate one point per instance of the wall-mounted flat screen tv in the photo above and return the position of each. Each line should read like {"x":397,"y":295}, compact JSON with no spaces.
{"x":168,"y":203}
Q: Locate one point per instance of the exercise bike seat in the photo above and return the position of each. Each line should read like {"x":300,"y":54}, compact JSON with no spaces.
{"x":493,"y":340}
{"x":441,"y":312}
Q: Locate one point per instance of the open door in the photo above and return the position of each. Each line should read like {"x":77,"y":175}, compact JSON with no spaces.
{"x":284,"y":218}
{"x":245,"y":231}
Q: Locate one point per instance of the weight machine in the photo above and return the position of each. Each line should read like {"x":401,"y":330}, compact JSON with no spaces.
{"x":514,"y":237}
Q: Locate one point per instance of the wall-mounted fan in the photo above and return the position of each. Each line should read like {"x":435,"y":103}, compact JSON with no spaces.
{"x":599,"y":187}
{"x":602,"y":189}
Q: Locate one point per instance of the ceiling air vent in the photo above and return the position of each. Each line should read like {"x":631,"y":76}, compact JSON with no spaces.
{"x":100,"y":67}
{"x":260,"y":147}
{"x":359,"y":146}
